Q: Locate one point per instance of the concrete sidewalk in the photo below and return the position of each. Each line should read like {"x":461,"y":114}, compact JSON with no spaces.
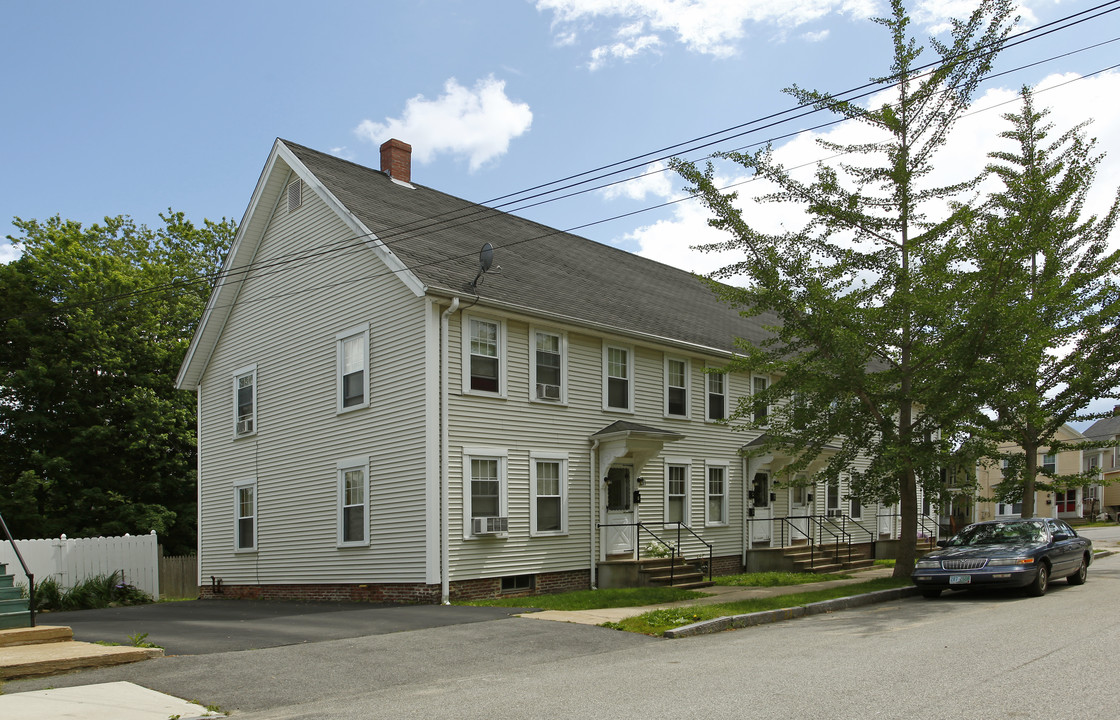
{"x":116,"y":700}
{"x":716,"y":594}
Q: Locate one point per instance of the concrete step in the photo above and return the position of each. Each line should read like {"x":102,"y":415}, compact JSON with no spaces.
{"x":35,"y":635}
{"x":22,"y":661}
{"x":16,"y":619}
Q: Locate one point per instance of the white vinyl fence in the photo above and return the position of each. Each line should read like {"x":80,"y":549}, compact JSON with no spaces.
{"x":71,"y":560}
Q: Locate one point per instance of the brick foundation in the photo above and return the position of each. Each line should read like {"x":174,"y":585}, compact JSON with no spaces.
{"x":401,"y":594}
{"x":727,"y":565}
{"x":543,"y":584}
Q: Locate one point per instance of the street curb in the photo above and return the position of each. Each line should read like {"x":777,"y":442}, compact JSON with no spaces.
{"x":707,"y":627}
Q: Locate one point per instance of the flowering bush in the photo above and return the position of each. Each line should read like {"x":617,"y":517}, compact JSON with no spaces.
{"x":658,"y":550}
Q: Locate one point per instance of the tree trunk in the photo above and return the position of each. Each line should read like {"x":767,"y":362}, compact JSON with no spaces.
{"x":1030,"y":470}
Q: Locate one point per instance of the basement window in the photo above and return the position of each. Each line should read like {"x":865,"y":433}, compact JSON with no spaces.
{"x":517,"y":583}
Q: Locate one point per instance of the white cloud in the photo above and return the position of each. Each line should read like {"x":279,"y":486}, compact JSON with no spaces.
{"x":655,"y":180}
{"x":670,"y":241}
{"x":710,"y":27}
{"x":8,"y":252}
{"x":716,"y":27}
{"x":477,"y":123}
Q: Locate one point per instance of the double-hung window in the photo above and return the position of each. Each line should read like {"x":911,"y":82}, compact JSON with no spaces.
{"x":618,"y":373}
{"x":353,"y":502}
{"x":717,"y":494}
{"x":717,"y":396}
{"x":245,"y":516}
{"x":855,"y":505}
{"x":353,"y":369}
{"x":676,"y":387}
{"x":676,"y":491}
{"x":759,"y":384}
{"x":1049,"y":464}
{"x":832,"y":498}
{"x":245,"y":401}
{"x":546,"y":367}
{"x":484,"y":502}
{"x":484,"y":352}
{"x":549,"y":486}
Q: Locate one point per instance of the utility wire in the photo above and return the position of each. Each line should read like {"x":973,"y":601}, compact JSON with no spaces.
{"x":402,"y":233}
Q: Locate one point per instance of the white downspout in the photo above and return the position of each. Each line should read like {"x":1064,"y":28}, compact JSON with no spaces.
{"x":594,"y":473}
{"x":444,"y":481}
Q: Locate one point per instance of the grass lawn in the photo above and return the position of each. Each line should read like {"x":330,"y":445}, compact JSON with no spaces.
{"x":592,"y":599}
{"x":775,"y":579}
{"x":658,"y":621}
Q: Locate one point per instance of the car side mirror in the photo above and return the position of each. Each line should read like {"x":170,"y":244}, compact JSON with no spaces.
{"x":1061,"y":536}
{"x":942,"y":543}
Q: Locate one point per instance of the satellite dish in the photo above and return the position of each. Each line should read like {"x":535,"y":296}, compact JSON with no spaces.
{"x":485,"y":260}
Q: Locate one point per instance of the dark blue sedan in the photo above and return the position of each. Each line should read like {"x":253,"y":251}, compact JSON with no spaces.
{"x":1006,"y":554}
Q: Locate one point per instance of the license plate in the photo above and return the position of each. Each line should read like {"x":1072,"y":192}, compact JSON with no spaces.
{"x":960,"y":579}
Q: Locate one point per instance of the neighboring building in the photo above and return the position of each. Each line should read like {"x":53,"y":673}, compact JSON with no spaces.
{"x":1066,"y":504}
{"x":381,"y":419}
{"x":1104,"y":497}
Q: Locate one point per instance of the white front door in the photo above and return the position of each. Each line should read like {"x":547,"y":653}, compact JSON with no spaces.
{"x":886,"y":520}
{"x":620,"y":532}
{"x":799,"y":511}
{"x":761,"y":522}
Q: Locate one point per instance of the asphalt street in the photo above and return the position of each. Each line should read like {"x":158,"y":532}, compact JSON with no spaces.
{"x":199,"y":627}
{"x":964,"y":655}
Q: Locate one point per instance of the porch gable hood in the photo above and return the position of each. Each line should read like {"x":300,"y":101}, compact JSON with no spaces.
{"x":633,"y":441}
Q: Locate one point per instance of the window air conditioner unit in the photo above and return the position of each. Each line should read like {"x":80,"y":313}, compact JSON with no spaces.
{"x":244,"y":426}
{"x":833,"y":513}
{"x":489,"y":525}
{"x":548,"y":392}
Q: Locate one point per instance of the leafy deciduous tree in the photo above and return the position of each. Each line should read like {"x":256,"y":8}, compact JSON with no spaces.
{"x":94,"y":323}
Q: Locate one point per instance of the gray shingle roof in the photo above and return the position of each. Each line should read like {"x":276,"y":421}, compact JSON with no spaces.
{"x":1103,"y":429}
{"x":439,"y":236}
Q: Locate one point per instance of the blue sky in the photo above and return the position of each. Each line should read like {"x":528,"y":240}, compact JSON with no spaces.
{"x":132,"y":108}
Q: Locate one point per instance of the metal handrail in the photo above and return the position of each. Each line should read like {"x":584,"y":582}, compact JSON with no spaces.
{"x":675,"y":548}
{"x":820,"y":520}
{"x":871,"y":535}
{"x":26,"y":571}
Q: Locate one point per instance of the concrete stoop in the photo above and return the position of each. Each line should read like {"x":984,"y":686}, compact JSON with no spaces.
{"x":49,"y":650}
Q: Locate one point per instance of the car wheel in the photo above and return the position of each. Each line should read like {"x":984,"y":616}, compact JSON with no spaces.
{"x":931,"y":593}
{"x":1041,"y":581}
{"x":1078,"y":578}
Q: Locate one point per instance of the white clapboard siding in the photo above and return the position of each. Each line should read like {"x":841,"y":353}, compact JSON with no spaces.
{"x":286,"y":325}
{"x":70,"y":561}
{"x":519,"y":427}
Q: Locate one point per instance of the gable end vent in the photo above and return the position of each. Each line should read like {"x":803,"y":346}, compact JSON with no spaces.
{"x":295,"y":195}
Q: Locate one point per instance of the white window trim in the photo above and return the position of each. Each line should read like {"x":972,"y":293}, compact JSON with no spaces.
{"x":629,"y":377}
{"x":708,"y":397}
{"x":533,"y":366}
{"x":484,"y":453}
{"x":465,"y":362}
{"x":687,"y":387}
{"x":340,"y":338}
{"x":687,"y":464}
{"x":237,"y":375}
{"x":562,"y":458}
{"x":726,"y":467}
{"x":769,"y":408}
{"x":237,"y":487}
{"x":1042,"y":461}
{"x":359,"y":462}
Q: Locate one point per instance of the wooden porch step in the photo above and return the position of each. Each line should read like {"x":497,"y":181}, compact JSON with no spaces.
{"x":49,"y":650}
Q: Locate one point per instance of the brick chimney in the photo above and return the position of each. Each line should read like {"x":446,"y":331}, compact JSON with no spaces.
{"x":396,"y":160}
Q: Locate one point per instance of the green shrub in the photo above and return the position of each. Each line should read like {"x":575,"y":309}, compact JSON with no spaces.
{"x":98,"y":591}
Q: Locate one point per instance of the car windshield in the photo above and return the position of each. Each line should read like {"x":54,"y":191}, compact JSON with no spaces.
{"x":1000,"y":533}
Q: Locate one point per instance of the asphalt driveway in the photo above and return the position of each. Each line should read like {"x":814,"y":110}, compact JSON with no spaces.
{"x":200,"y":627}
